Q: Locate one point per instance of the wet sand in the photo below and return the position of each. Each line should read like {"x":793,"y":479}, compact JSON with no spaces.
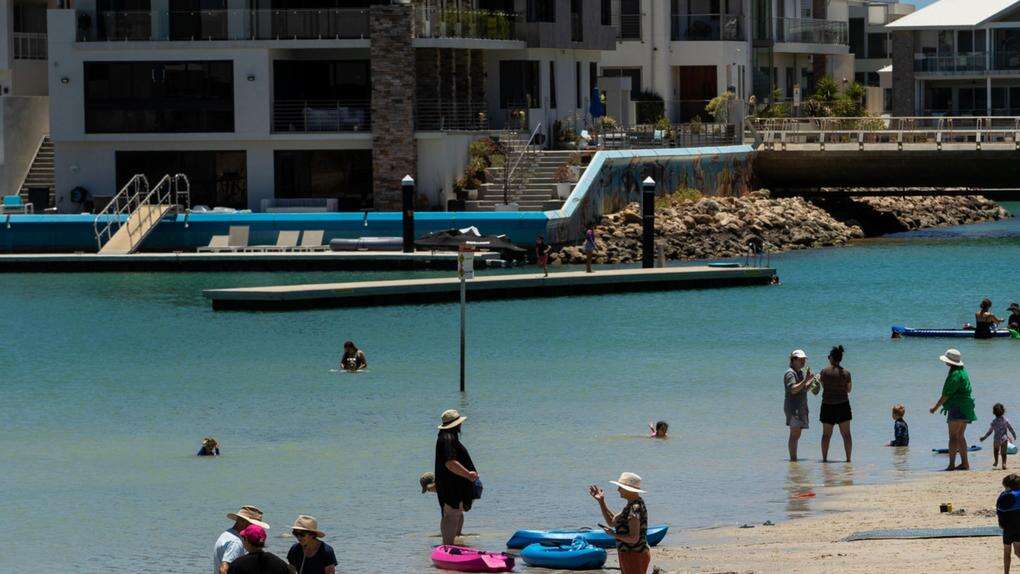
{"x":815,"y":544}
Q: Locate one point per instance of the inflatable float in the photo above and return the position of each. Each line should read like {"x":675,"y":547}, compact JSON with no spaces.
{"x":524,"y":538}
{"x":464,"y":559}
{"x":579,"y":555}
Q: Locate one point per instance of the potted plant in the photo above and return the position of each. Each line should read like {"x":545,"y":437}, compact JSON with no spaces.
{"x":565,"y":180}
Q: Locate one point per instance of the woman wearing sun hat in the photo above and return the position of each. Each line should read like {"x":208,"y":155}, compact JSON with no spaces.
{"x":958,"y":405}
{"x":630,"y":526}
{"x":309,"y":555}
{"x":455,"y":476}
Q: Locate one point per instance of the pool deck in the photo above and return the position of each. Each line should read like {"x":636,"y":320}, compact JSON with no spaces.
{"x":504,"y":286}
{"x":251,"y":261}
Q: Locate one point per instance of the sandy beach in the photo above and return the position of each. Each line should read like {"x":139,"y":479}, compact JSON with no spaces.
{"x":816,"y":544}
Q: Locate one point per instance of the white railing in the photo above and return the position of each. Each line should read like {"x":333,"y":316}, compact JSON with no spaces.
{"x":170,"y":191}
{"x":29,"y":45}
{"x":528,"y":152}
{"x":925,"y":130}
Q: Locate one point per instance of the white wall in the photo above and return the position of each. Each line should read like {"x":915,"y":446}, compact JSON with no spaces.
{"x":23,"y":123}
{"x":441,"y":160}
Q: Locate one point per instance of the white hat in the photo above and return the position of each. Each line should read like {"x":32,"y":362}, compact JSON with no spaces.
{"x":629,"y":481}
{"x":798,"y":354}
{"x":952,"y":357}
{"x":451,"y":418}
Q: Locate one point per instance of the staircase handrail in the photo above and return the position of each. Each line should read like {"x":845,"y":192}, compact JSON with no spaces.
{"x":28,"y":170}
{"x":510,"y":173}
{"x":120,"y":204}
{"x":162,"y":194}
{"x":169,"y":191}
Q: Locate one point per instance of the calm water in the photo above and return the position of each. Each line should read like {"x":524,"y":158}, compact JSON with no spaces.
{"x":110,"y":382}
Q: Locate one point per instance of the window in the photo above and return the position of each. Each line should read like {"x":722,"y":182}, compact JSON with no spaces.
{"x":633,"y":73}
{"x":878,"y":45}
{"x":217,"y":178}
{"x":541,"y":10}
{"x":343,"y":174}
{"x":965,"y":41}
{"x":857,"y":35}
{"x":577,"y":83}
{"x":159,"y":97}
{"x":123,"y":20}
{"x":576,"y":21}
{"x":630,"y":20}
{"x":519,"y":84}
{"x":607,"y":12}
{"x":791,"y":78}
{"x":552,"y":84}
{"x":593,"y":76}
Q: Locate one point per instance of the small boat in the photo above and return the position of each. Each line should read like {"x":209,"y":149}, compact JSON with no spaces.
{"x":898,"y":331}
{"x":973,"y":448}
{"x":524,"y":538}
{"x":464,"y":559}
{"x":579,"y":555}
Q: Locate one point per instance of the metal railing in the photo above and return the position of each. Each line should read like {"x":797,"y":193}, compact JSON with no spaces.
{"x":206,"y":25}
{"x":812,"y":31}
{"x":706,"y":27}
{"x":1006,"y":60}
{"x":305,"y":116}
{"x":29,"y":45}
{"x":526,"y":154}
{"x":434,"y":115}
{"x":169,"y":191}
{"x":436,"y":22}
{"x":933,"y":131}
{"x":693,"y":134}
{"x":628,"y":26}
{"x":959,"y":63}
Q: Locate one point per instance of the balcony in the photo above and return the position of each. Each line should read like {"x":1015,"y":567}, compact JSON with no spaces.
{"x":707,"y":27}
{"x":432,"y":115}
{"x":812,"y":31}
{"x":628,"y":26}
{"x":211,"y":25}
{"x":435,"y":22}
{"x":959,"y":63}
{"x":321,"y":116}
{"x":29,"y":45}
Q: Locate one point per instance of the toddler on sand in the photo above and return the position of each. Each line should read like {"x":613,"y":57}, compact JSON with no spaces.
{"x":1004,"y":433}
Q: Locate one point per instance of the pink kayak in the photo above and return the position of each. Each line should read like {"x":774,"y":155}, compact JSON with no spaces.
{"x":464,"y":559}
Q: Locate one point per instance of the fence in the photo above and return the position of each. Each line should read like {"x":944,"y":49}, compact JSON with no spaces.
{"x":436,"y":22}
{"x":206,"y":25}
{"x":29,"y":45}
{"x":432,"y":115}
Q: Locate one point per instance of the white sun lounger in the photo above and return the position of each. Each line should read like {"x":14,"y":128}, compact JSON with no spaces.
{"x":217,"y":243}
{"x":285,"y":241}
{"x":312,"y":241}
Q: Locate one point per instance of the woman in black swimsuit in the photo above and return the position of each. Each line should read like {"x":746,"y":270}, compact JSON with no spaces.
{"x":985,"y":321}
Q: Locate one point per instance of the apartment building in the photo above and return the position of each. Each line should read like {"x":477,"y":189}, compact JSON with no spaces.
{"x":870,"y":44}
{"x":689,"y":51}
{"x":263,"y":101}
{"x":957,"y":58}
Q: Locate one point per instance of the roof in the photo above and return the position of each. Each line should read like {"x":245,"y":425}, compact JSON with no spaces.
{"x":885,"y":69}
{"x":953,"y":14}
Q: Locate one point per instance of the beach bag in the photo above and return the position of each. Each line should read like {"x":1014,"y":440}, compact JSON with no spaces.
{"x":477,"y":491}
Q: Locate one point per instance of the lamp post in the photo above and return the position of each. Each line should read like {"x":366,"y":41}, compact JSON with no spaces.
{"x":407,"y":204}
{"x":648,"y":223}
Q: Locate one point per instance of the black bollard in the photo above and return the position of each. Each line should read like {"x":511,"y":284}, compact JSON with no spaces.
{"x":648,"y":223}
{"x":407,"y":202}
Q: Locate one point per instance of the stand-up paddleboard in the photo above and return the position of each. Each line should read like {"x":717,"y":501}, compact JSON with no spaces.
{"x":973,"y":448}
{"x":899,"y":331}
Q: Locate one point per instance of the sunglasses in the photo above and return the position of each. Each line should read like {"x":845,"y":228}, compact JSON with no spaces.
{"x":300,"y":533}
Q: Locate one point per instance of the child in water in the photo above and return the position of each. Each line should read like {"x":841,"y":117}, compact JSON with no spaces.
{"x":210,"y":447}
{"x":1004,"y":433}
{"x":901,"y":434}
{"x":1007,"y":508}
{"x":659,"y":430}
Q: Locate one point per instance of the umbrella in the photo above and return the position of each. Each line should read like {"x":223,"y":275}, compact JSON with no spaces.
{"x":454,"y":239}
{"x":596,"y":108}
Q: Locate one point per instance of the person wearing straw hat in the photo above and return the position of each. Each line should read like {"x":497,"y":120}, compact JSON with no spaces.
{"x":257,"y":560}
{"x":229,"y":546}
{"x":630,"y":526}
{"x":958,"y":406}
{"x":309,"y":555}
{"x":456,"y":476}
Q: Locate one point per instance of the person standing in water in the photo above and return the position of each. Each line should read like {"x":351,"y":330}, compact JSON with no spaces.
{"x":836,"y":385}
{"x":1013,"y":322}
{"x":630,"y":526}
{"x":353,"y":358}
{"x":589,"y":249}
{"x":985,"y":321}
{"x":455,"y":476}
{"x":958,"y":405}
{"x":796,"y":384}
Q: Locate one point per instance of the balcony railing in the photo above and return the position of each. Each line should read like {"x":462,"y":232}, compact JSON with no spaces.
{"x":959,"y":63}
{"x":307,"y":116}
{"x":1006,"y":60}
{"x":206,"y":25}
{"x":702,"y":27}
{"x":29,"y":45}
{"x":432,"y":115}
{"x":435,"y":22}
{"x":628,"y":26}
{"x":812,"y":31}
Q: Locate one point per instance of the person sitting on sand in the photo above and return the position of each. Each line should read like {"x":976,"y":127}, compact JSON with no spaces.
{"x":353,"y":358}
{"x":958,"y":406}
{"x":659,"y":430}
{"x":796,"y":384}
{"x":629,"y":527}
{"x":209,"y":447}
{"x":901,"y":434}
{"x":1004,"y":434}
{"x":986,"y":321}
{"x":1007,"y":509}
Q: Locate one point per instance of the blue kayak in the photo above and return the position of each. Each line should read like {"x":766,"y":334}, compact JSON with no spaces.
{"x":942,"y":333}
{"x":580,"y":555}
{"x":523,"y":538}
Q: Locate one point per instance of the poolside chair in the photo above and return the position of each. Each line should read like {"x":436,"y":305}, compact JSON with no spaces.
{"x":217,"y":243}
{"x":312,"y":241}
{"x":13,"y":204}
{"x":285,"y":241}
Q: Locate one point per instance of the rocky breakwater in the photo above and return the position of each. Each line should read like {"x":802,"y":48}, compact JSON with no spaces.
{"x":891,"y":214}
{"x":716,"y":227}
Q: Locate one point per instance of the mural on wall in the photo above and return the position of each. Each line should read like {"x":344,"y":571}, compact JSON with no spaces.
{"x":613,"y":179}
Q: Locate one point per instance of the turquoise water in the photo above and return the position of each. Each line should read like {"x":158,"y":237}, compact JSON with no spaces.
{"x":110,"y":381}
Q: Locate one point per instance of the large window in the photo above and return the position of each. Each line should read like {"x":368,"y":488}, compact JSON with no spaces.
{"x":343,"y":174}
{"x":541,"y":10}
{"x":159,"y":97}
{"x":878,"y":45}
{"x":519,"y":84}
{"x":552,"y":84}
{"x":633,"y":73}
{"x":217,"y":178}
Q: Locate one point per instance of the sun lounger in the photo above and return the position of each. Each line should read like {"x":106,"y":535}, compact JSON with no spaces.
{"x":285,"y":241}
{"x":218,"y":242}
{"x":238,"y":239}
{"x":312,"y":241}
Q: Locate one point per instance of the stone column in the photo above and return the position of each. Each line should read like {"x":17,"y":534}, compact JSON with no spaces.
{"x":394,"y":150}
{"x":903,"y":90}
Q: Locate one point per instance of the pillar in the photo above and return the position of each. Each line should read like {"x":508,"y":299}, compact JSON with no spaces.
{"x":903,"y":88}
{"x":394,"y":150}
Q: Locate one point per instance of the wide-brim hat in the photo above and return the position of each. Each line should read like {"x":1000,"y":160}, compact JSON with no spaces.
{"x":451,"y":418}
{"x":629,"y":481}
{"x":308,"y":524}
{"x":251,"y":514}
{"x":952,"y":357}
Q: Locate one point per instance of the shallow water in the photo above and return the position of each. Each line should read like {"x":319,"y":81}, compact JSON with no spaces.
{"x":110,"y":382}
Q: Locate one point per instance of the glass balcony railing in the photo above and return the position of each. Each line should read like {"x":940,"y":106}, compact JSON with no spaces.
{"x":959,"y":63}
{"x":812,"y":31}
{"x":206,"y":25}
{"x":308,"y":116}
{"x":436,"y":22}
{"x":1006,"y":60}
{"x":706,"y":27}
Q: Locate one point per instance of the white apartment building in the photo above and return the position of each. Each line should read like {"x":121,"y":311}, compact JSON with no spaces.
{"x":689,"y":51}
{"x":265,"y":100}
{"x":871,"y":46}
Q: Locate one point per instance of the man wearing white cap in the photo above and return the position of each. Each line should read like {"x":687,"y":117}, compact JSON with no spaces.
{"x":796,"y":384}
{"x":456,"y":477}
{"x":229,"y":546}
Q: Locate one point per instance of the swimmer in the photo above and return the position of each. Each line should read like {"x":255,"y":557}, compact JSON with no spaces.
{"x":659,"y":429}
{"x":209,"y":447}
{"x":353,"y":358}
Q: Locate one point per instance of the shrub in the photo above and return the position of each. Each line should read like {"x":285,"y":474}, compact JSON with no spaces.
{"x":718,"y":107}
{"x":649,"y":106}
{"x":682,"y":194}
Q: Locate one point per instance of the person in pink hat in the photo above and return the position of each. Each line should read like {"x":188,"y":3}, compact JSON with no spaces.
{"x":257,"y":560}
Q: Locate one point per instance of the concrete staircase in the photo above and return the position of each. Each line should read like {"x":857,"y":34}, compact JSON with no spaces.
{"x":534,"y":189}
{"x":40,"y":173}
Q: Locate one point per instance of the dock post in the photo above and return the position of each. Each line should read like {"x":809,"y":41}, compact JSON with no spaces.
{"x":648,"y":223}
{"x":407,"y":201}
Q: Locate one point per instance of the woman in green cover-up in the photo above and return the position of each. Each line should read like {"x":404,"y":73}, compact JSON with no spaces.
{"x":958,"y":405}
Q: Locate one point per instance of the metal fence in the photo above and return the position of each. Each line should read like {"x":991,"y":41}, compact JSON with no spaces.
{"x":306,"y":116}
{"x":29,"y":45}
{"x":812,"y":31}
{"x":433,"y":115}
{"x":694,"y":134}
{"x":707,"y":27}
{"x":933,"y":131}
{"x":437,"y":22}
{"x":206,"y":25}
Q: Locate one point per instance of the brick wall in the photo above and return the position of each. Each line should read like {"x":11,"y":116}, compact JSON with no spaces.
{"x":394,"y":152}
{"x":903,"y":103}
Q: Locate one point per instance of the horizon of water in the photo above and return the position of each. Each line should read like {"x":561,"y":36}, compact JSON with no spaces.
{"x":111,"y":381}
